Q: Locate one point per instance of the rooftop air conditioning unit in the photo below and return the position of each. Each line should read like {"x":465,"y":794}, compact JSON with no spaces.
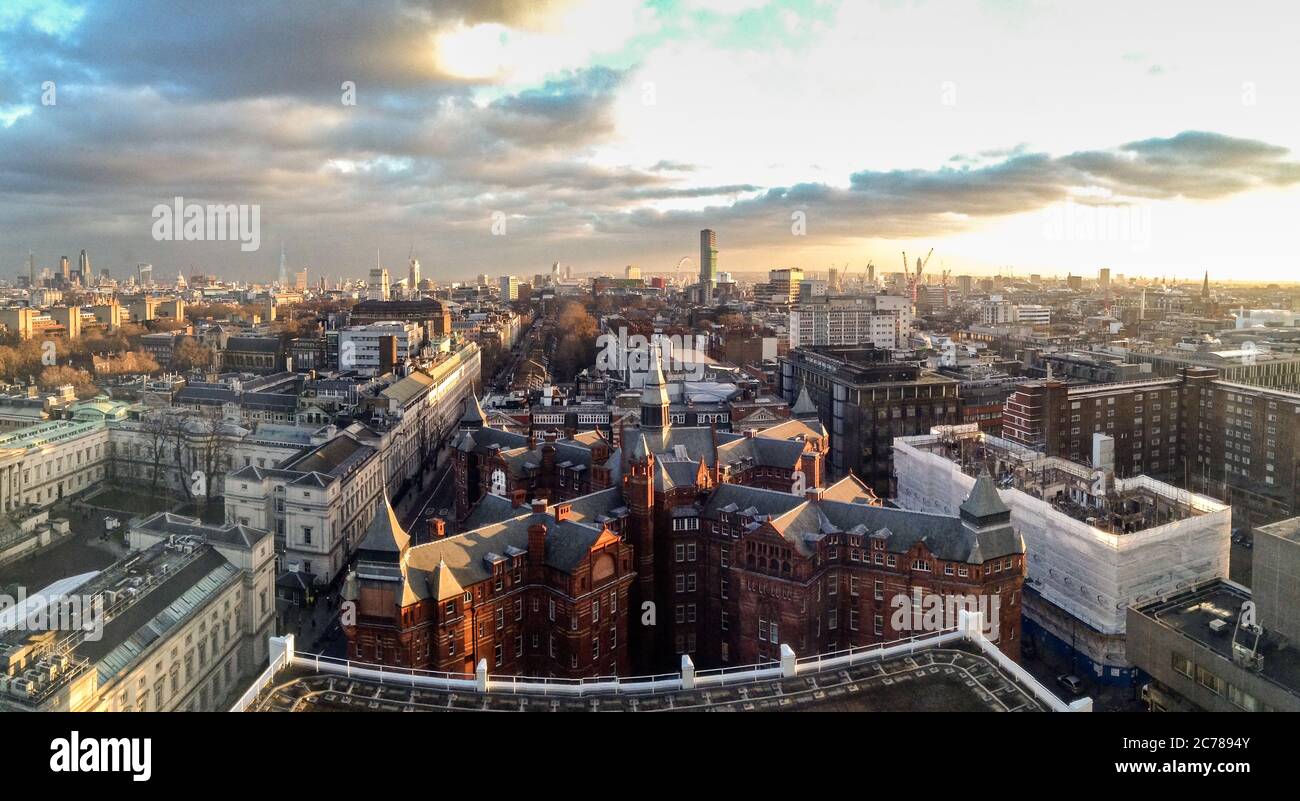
{"x":1217,"y":626}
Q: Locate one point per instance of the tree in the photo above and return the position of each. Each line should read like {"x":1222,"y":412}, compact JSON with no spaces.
{"x":155,"y":430}
{"x":192,"y":355}
{"x":575,"y":345}
{"x":55,"y":377}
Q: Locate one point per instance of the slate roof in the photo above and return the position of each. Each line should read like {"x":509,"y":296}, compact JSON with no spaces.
{"x":761,"y":451}
{"x":170,"y":523}
{"x":334,"y":458}
{"x":464,"y":555}
{"x":385,"y":540}
{"x":473,"y":411}
{"x":675,"y":474}
{"x":253,"y":344}
{"x":802,"y":522}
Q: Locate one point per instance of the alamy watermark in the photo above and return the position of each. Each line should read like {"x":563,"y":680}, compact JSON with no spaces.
{"x":55,"y":612}
{"x":682,"y":354}
{"x":1102,"y":222}
{"x":927,"y":613}
{"x":215,"y":222}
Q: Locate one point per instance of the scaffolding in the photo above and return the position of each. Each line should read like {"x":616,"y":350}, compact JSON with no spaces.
{"x":1094,"y":544}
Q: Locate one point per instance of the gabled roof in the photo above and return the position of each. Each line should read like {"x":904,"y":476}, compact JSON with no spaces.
{"x":851,"y":489}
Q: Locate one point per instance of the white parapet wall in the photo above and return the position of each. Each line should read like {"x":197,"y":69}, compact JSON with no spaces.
{"x":1092,"y":574}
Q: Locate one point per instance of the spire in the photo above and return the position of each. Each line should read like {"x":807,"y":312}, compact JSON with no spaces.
{"x":1205,"y":286}
{"x":803,"y":405}
{"x":473,"y":417}
{"x":654,"y":397}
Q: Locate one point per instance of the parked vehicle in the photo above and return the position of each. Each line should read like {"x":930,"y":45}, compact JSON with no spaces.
{"x":1070,"y":682}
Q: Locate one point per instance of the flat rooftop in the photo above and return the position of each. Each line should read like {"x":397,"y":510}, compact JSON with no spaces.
{"x":1128,"y":506}
{"x":1190,"y":613}
{"x":954,"y":678}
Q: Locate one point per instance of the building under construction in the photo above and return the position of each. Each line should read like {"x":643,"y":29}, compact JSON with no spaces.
{"x":1096,"y":544}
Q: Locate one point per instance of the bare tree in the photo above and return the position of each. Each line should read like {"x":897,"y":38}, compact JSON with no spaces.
{"x":155,"y":430}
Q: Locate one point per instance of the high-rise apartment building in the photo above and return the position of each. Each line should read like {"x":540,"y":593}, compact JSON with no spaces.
{"x":708,"y":259}
{"x":509,"y":288}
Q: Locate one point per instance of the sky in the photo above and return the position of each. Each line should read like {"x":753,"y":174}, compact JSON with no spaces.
{"x":1154,"y":138}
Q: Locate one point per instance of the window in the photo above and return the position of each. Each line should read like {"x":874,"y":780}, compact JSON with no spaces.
{"x":1209,"y":681}
{"x":1182,"y":665}
{"x":595,"y":610}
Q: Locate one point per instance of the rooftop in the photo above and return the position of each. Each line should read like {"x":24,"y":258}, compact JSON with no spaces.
{"x":1191,"y":613}
{"x":957,"y":677}
{"x":1126,"y":506}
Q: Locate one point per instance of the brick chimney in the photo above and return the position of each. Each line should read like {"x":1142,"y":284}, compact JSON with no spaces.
{"x":750,"y":433}
{"x":437,"y":527}
{"x":518,"y":498}
{"x":539,"y":505}
{"x":537,"y":543}
{"x":813,"y":494}
{"x":532,"y":439}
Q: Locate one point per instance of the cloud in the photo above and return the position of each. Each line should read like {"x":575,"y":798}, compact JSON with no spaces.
{"x":901,"y":204}
{"x":239,"y":105}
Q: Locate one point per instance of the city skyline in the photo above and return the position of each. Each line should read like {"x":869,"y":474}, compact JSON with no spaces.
{"x":507,"y":137}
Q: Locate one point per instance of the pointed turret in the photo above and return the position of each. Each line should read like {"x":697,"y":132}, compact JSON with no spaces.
{"x":984,"y":507}
{"x":385,"y":540}
{"x":473,"y":418}
{"x":654,"y":397}
{"x":804,"y":408}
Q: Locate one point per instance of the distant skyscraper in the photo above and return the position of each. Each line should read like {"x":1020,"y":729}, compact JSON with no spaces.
{"x":31,"y":268}
{"x":708,"y":260}
{"x":83,"y":267}
{"x":284,"y":268}
{"x":65,"y":271}
{"x":509,"y":288}
{"x":1103,"y":279}
{"x":413,"y":274}
{"x":378,"y":288}
{"x":300,"y":280}
{"x":145,"y":272}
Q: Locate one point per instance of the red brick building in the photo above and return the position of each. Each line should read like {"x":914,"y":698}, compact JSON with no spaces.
{"x":684,"y":541}
{"x":541,"y":594}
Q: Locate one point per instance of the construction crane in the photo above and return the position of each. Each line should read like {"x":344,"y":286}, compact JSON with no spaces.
{"x":914,"y":279}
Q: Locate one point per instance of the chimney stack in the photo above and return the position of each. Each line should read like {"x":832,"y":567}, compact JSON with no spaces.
{"x":437,"y":527}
